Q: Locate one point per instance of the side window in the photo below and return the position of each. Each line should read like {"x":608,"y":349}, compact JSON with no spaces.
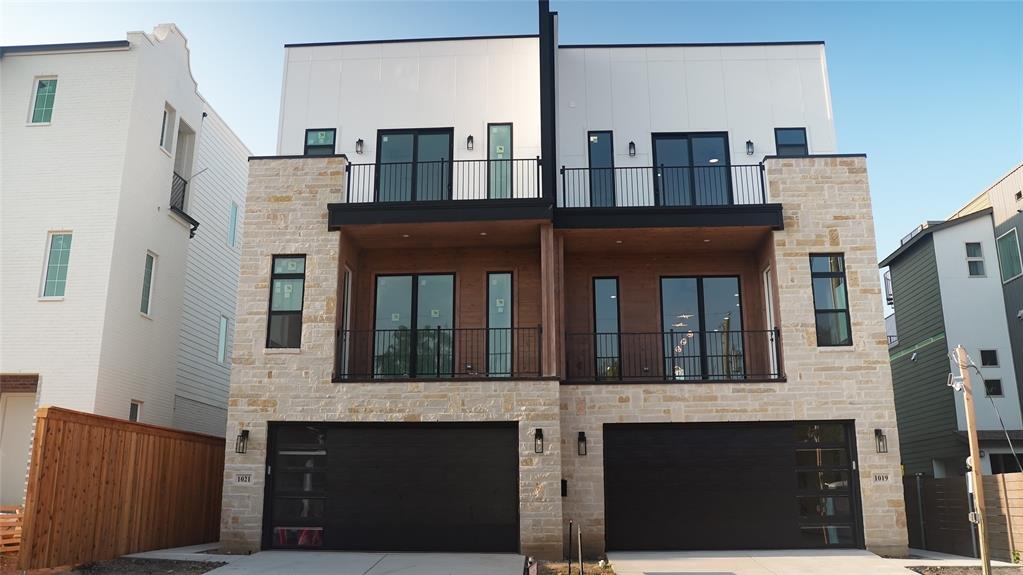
{"x":58,"y":253}
{"x":287,"y":284}
{"x":989,"y":358}
{"x":993,"y":387}
{"x":43,"y":94}
{"x":791,"y":142}
{"x":830,"y":300}
{"x":167,"y":128}
{"x":222,"y":340}
{"x":1008,"y":255}
{"x":147,"y":283}
{"x":232,"y":225}
{"x":319,"y":142}
{"x":134,"y":410}
{"x":974,"y":259}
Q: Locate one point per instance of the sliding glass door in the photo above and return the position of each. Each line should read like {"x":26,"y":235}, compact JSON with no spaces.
{"x":692,"y":170}
{"x":414,"y":326}
{"x":702,"y":323}
{"x":414,"y":165}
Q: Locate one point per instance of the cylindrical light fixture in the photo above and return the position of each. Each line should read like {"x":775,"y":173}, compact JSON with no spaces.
{"x":582,"y":443}
{"x":469,"y":143}
{"x":358,"y":146}
{"x":881,"y":440}
{"x":241,"y":443}
{"x":749,"y":147}
{"x":538,"y":441}
{"x":632,"y":149}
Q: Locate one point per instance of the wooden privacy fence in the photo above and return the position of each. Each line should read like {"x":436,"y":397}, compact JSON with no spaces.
{"x":101,"y":487}
{"x":936,"y":514}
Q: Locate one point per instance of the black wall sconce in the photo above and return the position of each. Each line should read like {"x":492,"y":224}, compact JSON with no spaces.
{"x":749,"y":147}
{"x":881,"y":440}
{"x":241,"y":444}
{"x":538,"y":441}
{"x":582,"y":443}
{"x":358,"y":146}
{"x":469,"y":143}
{"x":632,"y":149}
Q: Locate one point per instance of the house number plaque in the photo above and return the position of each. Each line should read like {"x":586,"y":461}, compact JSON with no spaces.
{"x":243,"y":478}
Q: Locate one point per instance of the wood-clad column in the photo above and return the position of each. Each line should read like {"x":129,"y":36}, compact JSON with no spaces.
{"x":549,"y":292}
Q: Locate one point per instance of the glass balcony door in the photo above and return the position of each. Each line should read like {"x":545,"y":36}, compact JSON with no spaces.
{"x":414,"y":165}
{"x":702,"y":323}
{"x":692,"y":169}
{"x":414,"y":326}
{"x":499,"y":166}
{"x":499,"y":324}
{"x":606,"y":344}
{"x":602,"y":170}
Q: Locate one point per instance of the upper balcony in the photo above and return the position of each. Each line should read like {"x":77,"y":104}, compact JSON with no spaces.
{"x":442,"y":190}
{"x":178,"y":195}
{"x":665,"y":196}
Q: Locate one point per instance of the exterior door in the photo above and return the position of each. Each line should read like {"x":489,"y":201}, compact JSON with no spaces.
{"x":414,"y":165}
{"x":499,"y":166}
{"x":500,"y":336}
{"x":414,"y":327}
{"x":435,"y":322}
{"x":778,"y":485}
{"x":702,"y":322}
{"x":602,"y":168}
{"x":606,"y":344}
{"x":692,"y":170}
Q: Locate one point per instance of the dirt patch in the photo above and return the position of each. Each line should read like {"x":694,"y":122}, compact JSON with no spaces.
{"x":561,"y":568}
{"x":933,"y":570}
{"x":126,"y":566}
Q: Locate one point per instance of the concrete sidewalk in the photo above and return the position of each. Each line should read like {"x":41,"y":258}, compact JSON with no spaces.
{"x":794,"y":562}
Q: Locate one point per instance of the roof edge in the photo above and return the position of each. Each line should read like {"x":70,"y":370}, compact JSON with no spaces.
{"x":296,"y":157}
{"x":696,"y":44}
{"x":406,"y":40}
{"x":930,"y":230}
{"x":68,"y":47}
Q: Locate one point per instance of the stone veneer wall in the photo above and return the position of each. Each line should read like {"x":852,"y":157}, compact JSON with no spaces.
{"x":286,"y":213}
{"x":827,"y":209}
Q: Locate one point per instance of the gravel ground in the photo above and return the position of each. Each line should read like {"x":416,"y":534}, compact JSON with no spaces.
{"x":561,"y":568}
{"x":125,"y":566}
{"x":966,"y":570}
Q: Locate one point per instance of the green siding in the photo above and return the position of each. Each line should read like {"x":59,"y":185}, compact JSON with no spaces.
{"x":925,"y":406}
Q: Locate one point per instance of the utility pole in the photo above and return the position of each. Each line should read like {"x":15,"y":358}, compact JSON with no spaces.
{"x":975,"y":465}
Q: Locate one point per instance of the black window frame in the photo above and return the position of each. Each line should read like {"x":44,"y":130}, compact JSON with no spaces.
{"x":306,"y":147}
{"x":845,"y":286}
{"x":984,"y":363}
{"x":779,"y":147}
{"x":701,"y":327}
{"x":510,"y":160}
{"x":590,"y":168}
{"x":270,"y":300}
{"x":989,"y":383}
{"x":689,"y":136}
{"x":596,"y":334}
{"x":416,"y":133}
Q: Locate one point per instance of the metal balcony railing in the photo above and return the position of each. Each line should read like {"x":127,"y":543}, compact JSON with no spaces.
{"x":438,"y":353}
{"x":716,"y":185}
{"x":179,"y":187}
{"x":443,"y":180}
{"x":673,"y":356}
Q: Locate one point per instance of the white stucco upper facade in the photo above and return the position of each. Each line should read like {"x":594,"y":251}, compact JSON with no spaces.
{"x":974,"y":314}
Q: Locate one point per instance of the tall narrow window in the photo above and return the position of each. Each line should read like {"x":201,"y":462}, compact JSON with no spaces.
{"x":1008,"y":255}
{"x":42,"y":102}
{"x":222,"y":340}
{"x":56,"y":265}
{"x":500,"y":335}
{"x":319,"y":142}
{"x":830,"y":300}
{"x":232,"y":225}
{"x":287,"y":284}
{"x":602,"y":169}
{"x":974,"y":259}
{"x":791,"y":142}
{"x":167,"y":128}
{"x":134,"y":410}
{"x":147,"y":283}
{"x":605,"y":323}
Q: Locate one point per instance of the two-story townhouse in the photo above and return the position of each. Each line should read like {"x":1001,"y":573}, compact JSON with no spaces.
{"x":945,"y":284}
{"x":122,"y":193}
{"x":493,"y":285}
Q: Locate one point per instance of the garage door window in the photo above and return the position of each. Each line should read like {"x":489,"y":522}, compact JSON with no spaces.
{"x":299,"y":476}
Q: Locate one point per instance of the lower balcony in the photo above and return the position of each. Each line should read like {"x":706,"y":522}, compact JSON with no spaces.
{"x":673,"y":356}
{"x":438,"y":353}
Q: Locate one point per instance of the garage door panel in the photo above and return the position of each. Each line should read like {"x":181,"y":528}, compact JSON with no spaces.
{"x":673,"y":486}
{"x":417,"y":488}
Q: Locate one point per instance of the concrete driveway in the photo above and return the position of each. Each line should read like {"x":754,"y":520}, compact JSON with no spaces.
{"x":344,"y":563}
{"x":801,"y":562}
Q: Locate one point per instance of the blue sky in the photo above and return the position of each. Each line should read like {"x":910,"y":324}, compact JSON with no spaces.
{"x":932,"y":92}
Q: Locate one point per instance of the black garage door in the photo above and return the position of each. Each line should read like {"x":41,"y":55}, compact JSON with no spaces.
{"x":758,"y":486}
{"x":394,"y":487}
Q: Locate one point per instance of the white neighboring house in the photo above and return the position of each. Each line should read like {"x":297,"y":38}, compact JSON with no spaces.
{"x":111,"y":159}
